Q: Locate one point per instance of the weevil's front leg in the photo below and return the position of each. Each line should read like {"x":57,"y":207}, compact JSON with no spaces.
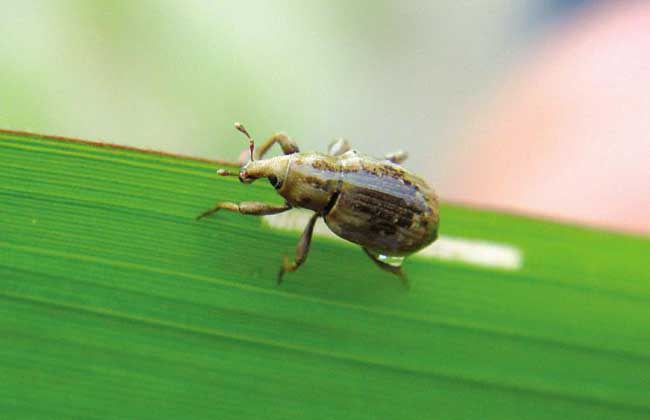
{"x":390,"y":268}
{"x":287,"y":144}
{"x":397,"y":157}
{"x":338,"y":147}
{"x":301,"y":250}
{"x":254,"y":208}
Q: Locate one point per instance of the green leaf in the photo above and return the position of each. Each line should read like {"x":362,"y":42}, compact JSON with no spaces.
{"x":116,"y":303}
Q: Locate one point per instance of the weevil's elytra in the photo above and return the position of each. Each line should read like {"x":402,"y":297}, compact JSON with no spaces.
{"x":374,"y":203}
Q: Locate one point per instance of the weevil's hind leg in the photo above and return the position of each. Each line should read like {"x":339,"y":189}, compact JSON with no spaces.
{"x":390,"y":268}
{"x":287,"y":144}
{"x":397,"y":157}
{"x":338,"y":147}
{"x":301,"y":250}
{"x":254,"y":208}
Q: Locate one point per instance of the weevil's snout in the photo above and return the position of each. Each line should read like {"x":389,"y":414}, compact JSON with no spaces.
{"x":245,"y":175}
{"x":245,"y":178}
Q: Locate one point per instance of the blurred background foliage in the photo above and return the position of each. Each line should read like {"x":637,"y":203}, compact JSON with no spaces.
{"x":172,"y":75}
{"x":175,"y":75}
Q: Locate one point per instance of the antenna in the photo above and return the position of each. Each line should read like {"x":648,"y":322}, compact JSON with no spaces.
{"x":239,"y":126}
{"x":225,"y":172}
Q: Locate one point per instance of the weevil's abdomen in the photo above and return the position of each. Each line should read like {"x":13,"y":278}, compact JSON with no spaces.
{"x":383,"y":208}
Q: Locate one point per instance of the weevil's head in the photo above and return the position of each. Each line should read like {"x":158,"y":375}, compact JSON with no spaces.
{"x":274,"y":169}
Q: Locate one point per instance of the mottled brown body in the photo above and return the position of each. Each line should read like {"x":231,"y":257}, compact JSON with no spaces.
{"x":375,"y":203}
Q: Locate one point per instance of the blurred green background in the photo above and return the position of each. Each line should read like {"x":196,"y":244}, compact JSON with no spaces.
{"x":174,"y":75}
{"x":495,"y":100}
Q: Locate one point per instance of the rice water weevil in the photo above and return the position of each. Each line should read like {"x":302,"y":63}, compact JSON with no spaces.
{"x":375,"y":203}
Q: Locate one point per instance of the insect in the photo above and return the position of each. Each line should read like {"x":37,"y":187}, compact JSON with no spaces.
{"x":374,"y":203}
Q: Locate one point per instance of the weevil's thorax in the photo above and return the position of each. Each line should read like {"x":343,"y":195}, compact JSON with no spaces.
{"x":311,"y":182}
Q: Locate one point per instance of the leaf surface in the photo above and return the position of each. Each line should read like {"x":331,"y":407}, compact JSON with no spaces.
{"x":116,"y":303}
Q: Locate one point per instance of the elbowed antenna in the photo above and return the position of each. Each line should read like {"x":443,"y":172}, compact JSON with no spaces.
{"x":239,"y":126}
{"x":225,"y":172}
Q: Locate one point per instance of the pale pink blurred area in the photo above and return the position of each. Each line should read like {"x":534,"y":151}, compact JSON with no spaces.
{"x":567,"y":135}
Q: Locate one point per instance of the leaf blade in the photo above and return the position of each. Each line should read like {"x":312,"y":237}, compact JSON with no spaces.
{"x":103,"y":265}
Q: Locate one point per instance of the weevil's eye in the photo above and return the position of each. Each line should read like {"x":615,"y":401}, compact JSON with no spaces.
{"x":243,"y":176}
{"x":274,"y":181}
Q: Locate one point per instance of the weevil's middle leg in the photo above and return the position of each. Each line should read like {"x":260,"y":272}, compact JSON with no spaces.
{"x":287,"y":144}
{"x":254,"y":208}
{"x":397,"y":157}
{"x":301,"y":250}
{"x":390,"y":268}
